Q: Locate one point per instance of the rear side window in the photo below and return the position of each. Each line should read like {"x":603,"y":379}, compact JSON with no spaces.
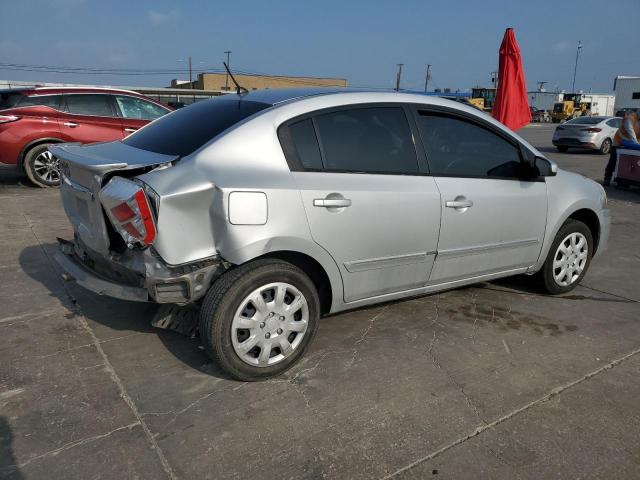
{"x":368,"y":140}
{"x":615,"y":122}
{"x":184,"y":131}
{"x":300,"y":142}
{"x":90,"y":104}
{"x":52,"y":101}
{"x":458,"y":148}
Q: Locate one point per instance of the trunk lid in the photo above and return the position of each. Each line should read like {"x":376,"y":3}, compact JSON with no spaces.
{"x":85,"y":170}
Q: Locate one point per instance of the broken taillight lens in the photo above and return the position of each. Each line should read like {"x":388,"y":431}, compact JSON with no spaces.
{"x":128,"y":209}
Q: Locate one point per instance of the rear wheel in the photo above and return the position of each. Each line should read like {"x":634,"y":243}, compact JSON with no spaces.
{"x":568,"y":258}
{"x":605,"y":148}
{"x":42,"y":168}
{"x":562,"y":149}
{"x":258,"y":319}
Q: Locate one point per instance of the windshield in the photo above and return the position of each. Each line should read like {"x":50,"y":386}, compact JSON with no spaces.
{"x":586,"y":120}
{"x":184,"y":131}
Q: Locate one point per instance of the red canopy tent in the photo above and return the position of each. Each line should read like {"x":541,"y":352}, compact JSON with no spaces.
{"x":511,"y":106}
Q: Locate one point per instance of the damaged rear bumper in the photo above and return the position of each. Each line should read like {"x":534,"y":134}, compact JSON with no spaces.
{"x":145,"y":278}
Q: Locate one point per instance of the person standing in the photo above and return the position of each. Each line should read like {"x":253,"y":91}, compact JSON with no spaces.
{"x":627,"y":135}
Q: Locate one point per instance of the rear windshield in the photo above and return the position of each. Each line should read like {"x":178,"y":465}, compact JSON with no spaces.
{"x":184,"y":131}
{"x":586,"y":120}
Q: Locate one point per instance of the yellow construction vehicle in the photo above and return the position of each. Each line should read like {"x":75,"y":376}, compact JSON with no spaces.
{"x":571,"y":107}
{"x":477,"y":102}
{"x":485,"y":96}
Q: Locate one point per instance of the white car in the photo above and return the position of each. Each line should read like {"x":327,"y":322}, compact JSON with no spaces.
{"x":592,"y":133}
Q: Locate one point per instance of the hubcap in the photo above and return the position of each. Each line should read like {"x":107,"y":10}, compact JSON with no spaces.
{"x":570,"y":259}
{"x":47,"y":167}
{"x":269,"y":324}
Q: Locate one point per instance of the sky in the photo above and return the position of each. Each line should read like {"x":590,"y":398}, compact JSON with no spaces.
{"x":361,"y":41}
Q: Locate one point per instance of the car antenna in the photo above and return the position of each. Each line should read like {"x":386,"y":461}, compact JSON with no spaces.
{"x":239,"y":90}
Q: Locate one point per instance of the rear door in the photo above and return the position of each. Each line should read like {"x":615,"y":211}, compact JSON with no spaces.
{"x":136,"y":113}
{"x":367,"y":199}
{"x":492,"y":219}
{"x":90,"y":117}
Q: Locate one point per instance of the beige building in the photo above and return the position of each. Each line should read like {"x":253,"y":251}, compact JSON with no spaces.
{"x":220,"y":81}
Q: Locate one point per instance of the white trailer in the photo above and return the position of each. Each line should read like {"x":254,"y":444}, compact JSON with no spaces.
{"x":627,"y":93}
{"x":544,"y":100}
{"x":601,"y":103}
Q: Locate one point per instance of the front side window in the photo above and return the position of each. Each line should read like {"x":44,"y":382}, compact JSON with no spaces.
{"x":371,"y":140}
{"x":138,"y":109}
{"x":89,"y":104}
{"x":456,"y":147}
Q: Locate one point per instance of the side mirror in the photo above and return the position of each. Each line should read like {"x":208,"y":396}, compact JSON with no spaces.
{"x":545,"y":167}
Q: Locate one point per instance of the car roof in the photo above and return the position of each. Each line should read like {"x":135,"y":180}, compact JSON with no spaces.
{"x":280,"y":95}
{"x":51,"y":90}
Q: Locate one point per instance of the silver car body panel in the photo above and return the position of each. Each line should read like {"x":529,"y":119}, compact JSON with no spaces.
{"x":397,"y":238}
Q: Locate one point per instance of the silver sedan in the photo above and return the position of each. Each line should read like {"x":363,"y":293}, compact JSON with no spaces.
{"x":592,"y":133}
{"x":272,"y":208}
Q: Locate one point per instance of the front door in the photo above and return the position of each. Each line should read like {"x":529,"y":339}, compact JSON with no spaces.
{"x":492,"y":220}
{"x":135,"y":113}
{"x":366,"y":200}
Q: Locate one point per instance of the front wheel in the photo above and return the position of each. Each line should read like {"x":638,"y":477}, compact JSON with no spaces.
{"x":258,"y":320}
{"x":562,"y":149}
{"x":568,"y":258}
{"x":42,"y":168}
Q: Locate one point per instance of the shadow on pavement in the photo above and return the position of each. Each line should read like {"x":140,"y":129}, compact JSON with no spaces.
{"x":8,"y":468}
{"x":12,"y":177}
{"x":114,"y":314}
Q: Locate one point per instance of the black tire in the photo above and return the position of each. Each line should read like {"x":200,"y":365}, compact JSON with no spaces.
{"x":546,"y":274}
{"x":555,"y":120}
{"x":224,"y":298}
{"x":47,"y":177}
{"x":562,"y":149}
{"x":605,"y":148}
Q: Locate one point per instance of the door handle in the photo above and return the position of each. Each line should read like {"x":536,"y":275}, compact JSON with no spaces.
{"x":332,"y":202}
{"x":70,"y":124}
{"x":130,"y":129}
{"x":459,"y":204}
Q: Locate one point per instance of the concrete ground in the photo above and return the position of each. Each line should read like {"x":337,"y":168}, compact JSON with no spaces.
{"x":490,"y":381}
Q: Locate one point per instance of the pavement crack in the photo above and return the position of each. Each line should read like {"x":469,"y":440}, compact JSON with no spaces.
{"x":553,"y":393}
{"x":363,"y":336}
{"x":107,"y":363}
{"x":75,"y":443}
{"x":458,"y":385}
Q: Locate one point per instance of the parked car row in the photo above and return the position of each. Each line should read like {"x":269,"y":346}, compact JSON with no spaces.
{"x":34,"y":118}
{"x":273,"y":208}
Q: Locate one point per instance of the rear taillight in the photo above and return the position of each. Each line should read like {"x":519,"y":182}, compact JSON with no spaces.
{"x":8,"y":118}
{"x":591,"y":130}
{"x":129,"y":211}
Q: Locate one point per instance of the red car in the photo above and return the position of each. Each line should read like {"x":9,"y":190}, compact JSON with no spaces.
{"x":33,"y":118}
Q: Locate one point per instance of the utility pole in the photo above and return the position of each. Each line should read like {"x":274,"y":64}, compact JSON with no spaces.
{"x":541,"y":86}
{"x":190,"y":79}
{"x":226,"y":82}
{"x":575,"y":68}
{"x":494,"y":79}
{"x":398,"y":76}
{"x":427,"y":78}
